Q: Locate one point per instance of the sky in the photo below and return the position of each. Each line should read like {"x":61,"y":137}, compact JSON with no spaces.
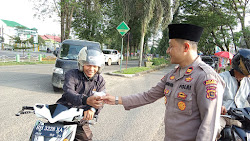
{"x":21,"y":12}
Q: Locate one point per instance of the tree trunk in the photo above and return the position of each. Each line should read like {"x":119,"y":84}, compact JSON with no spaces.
{"x":68,"y":22}
{"x":235,"y":47}
{"x":246,"y":38}
{"x":62,"y":21}
{"x":141,"y":44}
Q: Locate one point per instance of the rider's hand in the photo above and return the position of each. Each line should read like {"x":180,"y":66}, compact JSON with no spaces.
{"x":109,"y":99}
{"x":223,"y":110}
{"x":88,"y":115}
{"x":94,"y":101}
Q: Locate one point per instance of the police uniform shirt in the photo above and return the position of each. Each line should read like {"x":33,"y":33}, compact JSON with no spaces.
{"x":193,"y":99}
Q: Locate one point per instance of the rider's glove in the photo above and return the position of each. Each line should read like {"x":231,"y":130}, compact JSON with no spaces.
{"x":84,"y":100}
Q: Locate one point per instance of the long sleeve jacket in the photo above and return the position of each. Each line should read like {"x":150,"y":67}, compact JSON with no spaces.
{"x":235,"y":96}
{"x":76,"y":86}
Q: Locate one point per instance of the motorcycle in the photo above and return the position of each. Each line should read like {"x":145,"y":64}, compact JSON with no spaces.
{"x":235,"y":133}
{"x":60,"y":122}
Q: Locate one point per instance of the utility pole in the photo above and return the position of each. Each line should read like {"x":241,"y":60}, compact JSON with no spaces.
{"x":2,"y":42}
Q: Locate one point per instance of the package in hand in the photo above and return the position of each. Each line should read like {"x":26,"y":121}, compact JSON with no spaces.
{"x":99,"y":93}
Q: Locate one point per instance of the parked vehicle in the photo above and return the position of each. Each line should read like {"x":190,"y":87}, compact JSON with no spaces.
{"x":61,"y":122}
{"x":216,"y":62}
{"x":208,"y":60}
{"x":111,"y":56}
{"x":67,"y":59}
{"x":235,"y":133}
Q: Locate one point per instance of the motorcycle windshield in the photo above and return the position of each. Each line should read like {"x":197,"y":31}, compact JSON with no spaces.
{"x":56,"y":109}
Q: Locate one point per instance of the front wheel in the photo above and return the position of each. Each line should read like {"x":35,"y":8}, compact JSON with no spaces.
{"x":109,"y":62}
{"x":119,"y":62}
{"x":56,"y":89}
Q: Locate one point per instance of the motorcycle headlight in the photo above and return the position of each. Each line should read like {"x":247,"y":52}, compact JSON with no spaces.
{"x":58,"y":70}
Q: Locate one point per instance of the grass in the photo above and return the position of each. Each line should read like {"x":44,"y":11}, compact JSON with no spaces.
{"x":26,"y":63}
{"x":45,"y":60}
{"x":133,"y":70}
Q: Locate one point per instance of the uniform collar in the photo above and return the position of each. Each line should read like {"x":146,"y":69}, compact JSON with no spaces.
{"x":188,"y":70}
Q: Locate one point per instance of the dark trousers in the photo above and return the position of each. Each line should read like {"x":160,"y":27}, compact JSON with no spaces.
{"x":83,"y":133}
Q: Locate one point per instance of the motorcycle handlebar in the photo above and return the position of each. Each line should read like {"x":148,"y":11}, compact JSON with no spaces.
{"x":28,"y":108}
{"x":24,"y":110}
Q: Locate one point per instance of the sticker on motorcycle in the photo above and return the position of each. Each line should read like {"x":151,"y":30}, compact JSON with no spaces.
{"x":48,"y":130}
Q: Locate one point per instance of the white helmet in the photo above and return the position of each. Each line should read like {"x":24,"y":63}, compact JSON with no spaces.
{"x":91,"y":56}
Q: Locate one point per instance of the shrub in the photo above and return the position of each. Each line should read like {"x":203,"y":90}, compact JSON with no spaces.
{"x":159,"y":61}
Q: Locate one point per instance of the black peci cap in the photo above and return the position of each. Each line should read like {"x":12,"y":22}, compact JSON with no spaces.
{"x":185,"y":31}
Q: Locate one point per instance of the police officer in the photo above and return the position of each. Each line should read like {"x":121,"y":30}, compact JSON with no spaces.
{"x":79,"y":86}
{"x":192,"y":91}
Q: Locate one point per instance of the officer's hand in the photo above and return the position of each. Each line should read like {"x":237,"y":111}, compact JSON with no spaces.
{"x":109,"y":99}
{"x":88,"y":115}
{"x":95,"y":101}
{"x":223,"y":110}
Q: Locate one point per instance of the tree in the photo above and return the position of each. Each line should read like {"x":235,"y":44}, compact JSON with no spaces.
{"x":163,"y":45}
{"x":41,"y":41}
{"x":60,"y":8}
{"x":240,"y":8}
{"x":89,"y":20}
{"x":66,"y":12}
{"x":156,"y":10}
{"x":217,"y":19}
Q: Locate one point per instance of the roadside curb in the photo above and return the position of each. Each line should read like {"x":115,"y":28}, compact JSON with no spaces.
{"x":138,"y":74}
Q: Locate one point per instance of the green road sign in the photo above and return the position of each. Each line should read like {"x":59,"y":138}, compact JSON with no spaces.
{"x":123,"y":28}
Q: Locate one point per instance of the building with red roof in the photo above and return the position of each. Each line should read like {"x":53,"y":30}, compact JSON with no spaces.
{"x":51,"y":42}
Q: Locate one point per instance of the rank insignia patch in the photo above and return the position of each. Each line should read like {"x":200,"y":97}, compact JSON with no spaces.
{"x":210,"y":82}
{"x":188,"y":79}
{"x":189,"y":70}
{"x":211,"y":93}
{"x":182,"y":95}
{"x":181,"y":105}
{"x":172,"y":77}
{"x":211,"y":87}
{"x":166,"y":91}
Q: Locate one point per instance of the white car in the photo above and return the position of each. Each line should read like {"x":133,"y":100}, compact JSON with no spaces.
{"x":111,"y":56}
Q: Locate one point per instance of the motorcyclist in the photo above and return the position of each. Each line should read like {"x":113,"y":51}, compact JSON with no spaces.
{"x":237,"y":90}
{"x":79,"y":86}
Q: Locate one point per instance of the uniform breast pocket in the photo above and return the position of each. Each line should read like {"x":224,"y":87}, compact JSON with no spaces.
{"x":183,"y":102}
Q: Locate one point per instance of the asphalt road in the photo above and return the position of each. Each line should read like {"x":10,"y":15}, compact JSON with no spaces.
{"x":25,"y":85}
{"x":21,"y":53}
